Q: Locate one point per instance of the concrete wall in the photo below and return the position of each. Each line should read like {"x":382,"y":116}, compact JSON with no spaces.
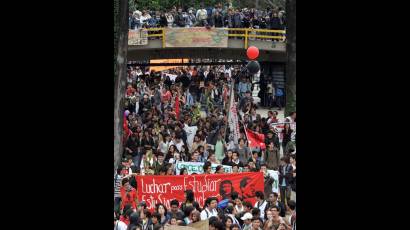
{"x":269,"y":51}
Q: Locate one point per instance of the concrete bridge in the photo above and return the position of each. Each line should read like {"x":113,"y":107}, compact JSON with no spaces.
{"x":158,"y":43}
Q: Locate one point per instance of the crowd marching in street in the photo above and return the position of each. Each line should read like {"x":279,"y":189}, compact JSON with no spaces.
{"x":203,"y":121}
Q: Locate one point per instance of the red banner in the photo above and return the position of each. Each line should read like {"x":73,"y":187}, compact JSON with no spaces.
{"x":163,"y":189}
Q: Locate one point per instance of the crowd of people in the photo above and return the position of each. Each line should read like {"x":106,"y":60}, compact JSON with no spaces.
{"x":160,"y":108}
{"x":217,"y":16}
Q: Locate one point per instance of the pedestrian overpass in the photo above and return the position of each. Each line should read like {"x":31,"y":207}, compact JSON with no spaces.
{"x":199,"y":42}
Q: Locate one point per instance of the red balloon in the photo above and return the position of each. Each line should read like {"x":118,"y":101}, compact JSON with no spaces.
{"x":252,"y":52}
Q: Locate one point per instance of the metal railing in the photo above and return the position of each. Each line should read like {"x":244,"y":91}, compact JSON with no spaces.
{"x":246,"y":33}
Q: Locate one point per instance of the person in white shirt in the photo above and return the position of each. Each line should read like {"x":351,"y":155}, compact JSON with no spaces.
{"x":239,"y":208}
{"x":210,"y":208}
{"x":177,"y":158}
{"x":163,"y":145}
{"x":119,"y":225}
{"x":201,"y":16}
{"x":178,"y":143}
{"x":261,"y":203}
{"x":292,"y":120}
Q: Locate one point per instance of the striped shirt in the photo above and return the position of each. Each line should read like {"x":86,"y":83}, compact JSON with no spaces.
{"x":117,"y":185}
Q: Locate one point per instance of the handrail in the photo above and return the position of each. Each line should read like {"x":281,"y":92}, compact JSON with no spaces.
{"x":247,"y":33}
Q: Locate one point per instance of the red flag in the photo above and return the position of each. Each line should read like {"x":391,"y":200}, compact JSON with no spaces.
{"x":255,"y":139}
{"x":177,"y":106}
{"x":127,"y":131}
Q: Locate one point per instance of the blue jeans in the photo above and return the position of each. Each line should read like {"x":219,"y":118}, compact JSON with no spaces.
{"x":137,"y":160}
{"x":117,"y":204}
{"x":279,"y":101}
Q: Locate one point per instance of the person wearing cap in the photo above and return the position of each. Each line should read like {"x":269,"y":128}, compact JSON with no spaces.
{"x":247,"y":221}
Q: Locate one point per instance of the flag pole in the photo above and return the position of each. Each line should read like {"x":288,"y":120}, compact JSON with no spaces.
{"x":229,"y":104}
{"x":246,"y":134}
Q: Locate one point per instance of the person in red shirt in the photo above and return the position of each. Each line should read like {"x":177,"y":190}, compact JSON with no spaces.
{"x":166,"y":95}
{"x":272,"y":117}
{"x":128,"y":194}
{"x":130,"y":90}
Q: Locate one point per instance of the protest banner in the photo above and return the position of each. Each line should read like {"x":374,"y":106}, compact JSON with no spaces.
{"x":233,"y":117}
{"x":197,"y":167}
{"x":196,"y":37}
{"x":137,"y":37}
{"x":163,"y":189}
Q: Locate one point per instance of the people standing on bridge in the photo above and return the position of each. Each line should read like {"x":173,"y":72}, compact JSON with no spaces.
{"x":228,"y":20}
{"x":163,"y":20}
{"x":202,"y":16}
{"x":218,"y":21}
{"x":191,"y":18}
{"x":170,"y":19}
{"x":237,"y":19}
{"x":275,"y":24}
{"x":179,"y":19}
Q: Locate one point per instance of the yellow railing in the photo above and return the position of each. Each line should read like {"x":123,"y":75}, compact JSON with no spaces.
{"x":242,"y":32}
{"x":255,"y":33}
{"x":161,"y":34}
